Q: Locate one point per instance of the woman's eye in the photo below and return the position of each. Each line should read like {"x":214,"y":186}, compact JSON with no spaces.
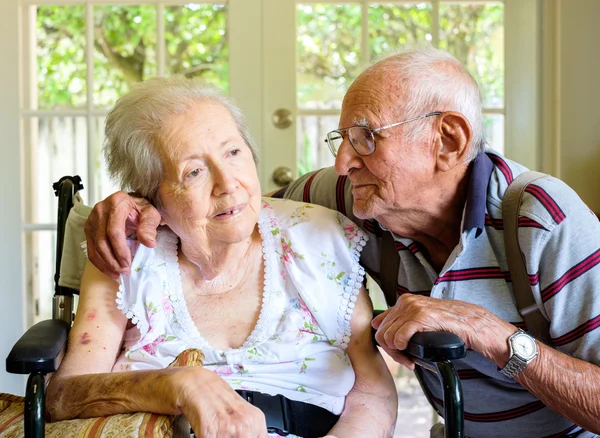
{"x":235,"y":152}
{"x":194,"y":173}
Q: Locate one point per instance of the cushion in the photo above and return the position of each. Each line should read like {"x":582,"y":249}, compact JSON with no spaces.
{"x":73,"y":257}
{"x":138,"y":425}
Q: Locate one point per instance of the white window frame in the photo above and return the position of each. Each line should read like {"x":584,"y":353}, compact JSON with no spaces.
{"x":522,"y":71}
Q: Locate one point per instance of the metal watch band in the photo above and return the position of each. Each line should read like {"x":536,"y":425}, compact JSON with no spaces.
{"x":514,"y":366}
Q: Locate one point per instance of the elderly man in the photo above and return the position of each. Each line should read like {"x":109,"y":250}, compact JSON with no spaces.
{"x":411,"y":159}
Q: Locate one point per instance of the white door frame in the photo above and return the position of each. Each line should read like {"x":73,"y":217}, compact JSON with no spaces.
{"x":12,"y":310}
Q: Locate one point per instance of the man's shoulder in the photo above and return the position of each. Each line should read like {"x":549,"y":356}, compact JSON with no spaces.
{"x":324,"y":187}
{"x":547,"y":201}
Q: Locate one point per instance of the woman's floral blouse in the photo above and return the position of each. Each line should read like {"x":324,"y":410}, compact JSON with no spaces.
{"x":297,"y":347}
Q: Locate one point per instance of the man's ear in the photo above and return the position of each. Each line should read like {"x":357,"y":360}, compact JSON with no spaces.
{"x":453,"y":140}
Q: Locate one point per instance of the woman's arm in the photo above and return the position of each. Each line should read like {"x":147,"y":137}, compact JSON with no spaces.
{"x":84,"y":386}
{"x":372,"y":404}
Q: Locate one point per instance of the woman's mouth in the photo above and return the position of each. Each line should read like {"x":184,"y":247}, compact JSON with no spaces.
{"x":230,"y":212}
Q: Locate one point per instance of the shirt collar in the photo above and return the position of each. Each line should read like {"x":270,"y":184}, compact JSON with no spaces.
{"x":479,"y":178}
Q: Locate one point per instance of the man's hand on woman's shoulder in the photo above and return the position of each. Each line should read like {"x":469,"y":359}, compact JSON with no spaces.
{"x":108,"y":226}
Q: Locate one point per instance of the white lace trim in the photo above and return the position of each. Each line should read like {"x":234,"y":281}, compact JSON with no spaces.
{"x":131,"y":313}
{"x":351,"y":290}
{"x":173,"y":287}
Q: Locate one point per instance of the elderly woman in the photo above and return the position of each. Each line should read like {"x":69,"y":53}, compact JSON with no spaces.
{"x":270,"y":290}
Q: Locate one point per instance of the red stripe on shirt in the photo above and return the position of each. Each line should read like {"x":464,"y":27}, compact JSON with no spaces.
{"x":369,"y":225}
{"x":340,"y":194}
{"x":584,"y":328}
{"x":400,"y":246}
{"x":520,"y":325}
{"x":474,"y":274}
{"x":575,"y":272}
{"x":413,"y":247}
{"x":509,"y":414}
{"x":547,"y":201}
{"x":306,"y":194}
{"x":529,"y":223}
{"x":496,"y":224}
{"x":503,"y":166}
{"x":534,"y":278}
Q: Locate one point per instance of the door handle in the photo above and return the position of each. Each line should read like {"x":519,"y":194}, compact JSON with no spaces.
{"x":282,"y":176}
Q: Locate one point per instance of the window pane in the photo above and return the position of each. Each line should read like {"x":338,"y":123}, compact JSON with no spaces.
{"x":57,"y":147}
{"x":104,"y":186}
{"x":40,"y":258}
{"x":60,"y":32}
{"x":313,"y":152}
{"x":493,"y":124}
{"x":474,"y":33}
{"x":392,"y":26}
{"x":328,"y":53}
{"x":125,"y":43}
{"x":196,"y":42}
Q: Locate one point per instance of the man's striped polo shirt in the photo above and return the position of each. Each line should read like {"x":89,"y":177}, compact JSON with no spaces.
{"x":560,"y":238}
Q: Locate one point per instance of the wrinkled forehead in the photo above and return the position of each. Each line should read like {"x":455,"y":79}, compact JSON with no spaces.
{"x":372,"y":101}
{"x":202,"y":126}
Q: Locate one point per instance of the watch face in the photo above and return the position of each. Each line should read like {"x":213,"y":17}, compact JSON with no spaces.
{"x":524,"y":346}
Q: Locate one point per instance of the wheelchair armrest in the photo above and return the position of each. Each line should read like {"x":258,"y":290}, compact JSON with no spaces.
{"x":436,"y":346}
{"x":38,"y":348}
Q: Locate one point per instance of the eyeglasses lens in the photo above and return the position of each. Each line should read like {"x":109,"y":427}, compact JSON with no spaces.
{"x":360,"y":137}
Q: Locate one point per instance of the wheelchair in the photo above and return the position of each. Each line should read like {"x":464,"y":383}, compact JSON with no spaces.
{"x":39,"y":350}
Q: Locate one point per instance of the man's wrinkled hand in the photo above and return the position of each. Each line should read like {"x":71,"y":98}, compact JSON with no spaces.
{"x":108,"y":225}
{"x":479,"y":329}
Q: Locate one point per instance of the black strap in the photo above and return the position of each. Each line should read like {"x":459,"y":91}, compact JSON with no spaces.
{"x":285,"y":416}
{"x":390,"y":262}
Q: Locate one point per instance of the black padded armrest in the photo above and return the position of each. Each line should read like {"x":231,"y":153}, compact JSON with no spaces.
{"x":38,"y":348}
{"x":436,"y":346}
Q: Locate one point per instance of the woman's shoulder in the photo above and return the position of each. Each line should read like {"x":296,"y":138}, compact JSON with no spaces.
{"x":164,"y":251}
{"x":293,"y":213}
{"x":309,"y":225}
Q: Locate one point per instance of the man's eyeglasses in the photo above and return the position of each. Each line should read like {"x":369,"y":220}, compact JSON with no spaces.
{"x":362,"y":138}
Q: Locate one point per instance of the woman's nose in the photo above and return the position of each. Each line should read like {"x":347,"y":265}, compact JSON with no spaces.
{"x":224,"y":180}
{"x":346,"y":158}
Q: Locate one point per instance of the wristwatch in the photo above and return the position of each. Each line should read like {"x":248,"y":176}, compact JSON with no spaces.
{"x":523,"y":350}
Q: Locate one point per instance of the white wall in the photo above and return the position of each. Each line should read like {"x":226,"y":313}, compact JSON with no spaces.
{"x":572,"y":95}
{"x":11,"y":289}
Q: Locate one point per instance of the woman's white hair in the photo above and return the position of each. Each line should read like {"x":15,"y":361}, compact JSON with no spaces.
{"x":133,"y":129}
{"x":434,"y":80}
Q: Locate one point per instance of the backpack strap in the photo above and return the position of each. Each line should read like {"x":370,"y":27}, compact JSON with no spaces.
{"x":390,"y":263}
{"x":535,"y":321}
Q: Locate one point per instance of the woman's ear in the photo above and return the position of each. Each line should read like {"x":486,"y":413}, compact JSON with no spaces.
{"x":454,"y":134}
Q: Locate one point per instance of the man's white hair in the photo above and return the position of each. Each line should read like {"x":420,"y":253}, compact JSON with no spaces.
{"x":133,"y":129}
{"x":434,"y":80}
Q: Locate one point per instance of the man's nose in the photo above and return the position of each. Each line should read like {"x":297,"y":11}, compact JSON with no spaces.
{"x":346,"y":158}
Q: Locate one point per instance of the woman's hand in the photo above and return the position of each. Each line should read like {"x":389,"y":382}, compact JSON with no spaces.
{"x":213,"y":409}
